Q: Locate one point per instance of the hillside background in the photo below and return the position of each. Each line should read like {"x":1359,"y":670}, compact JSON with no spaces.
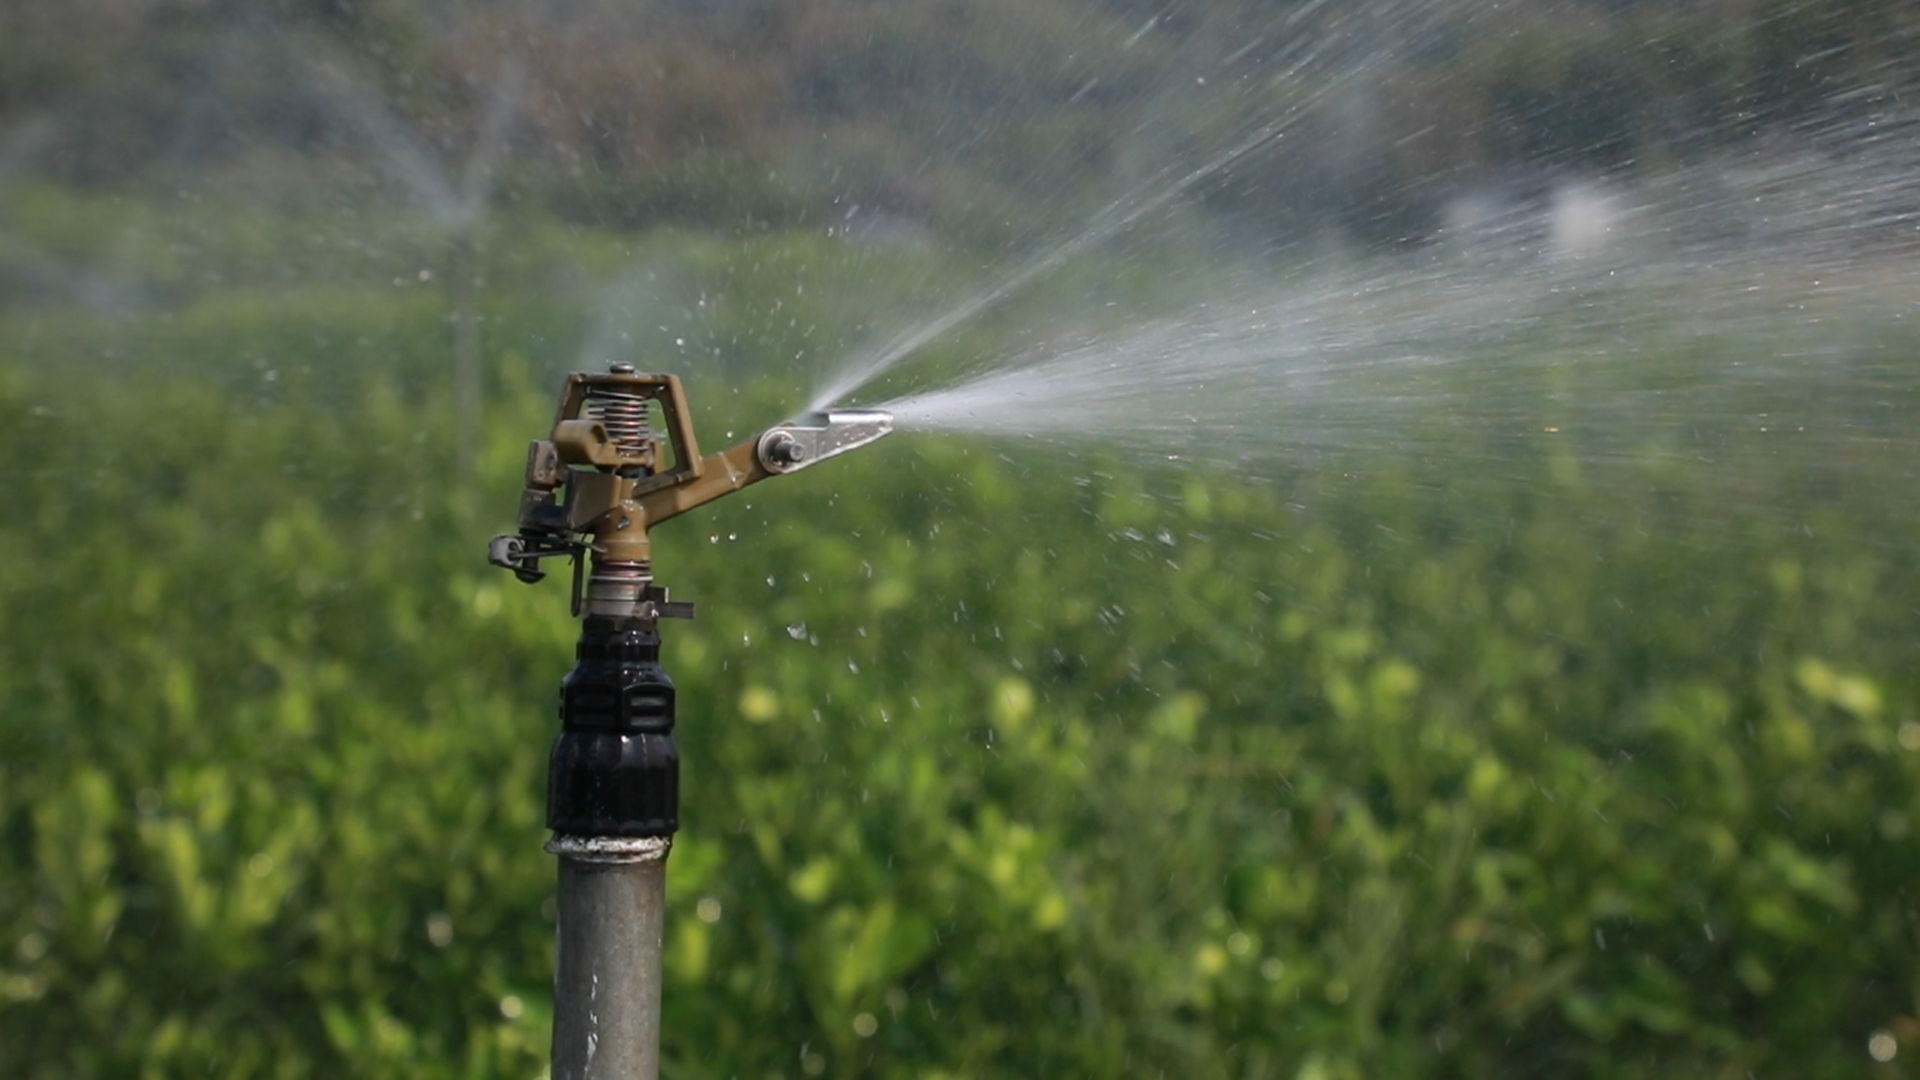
{"x":742,"y":113}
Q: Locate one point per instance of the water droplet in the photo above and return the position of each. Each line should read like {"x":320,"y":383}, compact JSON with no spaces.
{"x":797,"y":631}
{"x":1882,"y":1046}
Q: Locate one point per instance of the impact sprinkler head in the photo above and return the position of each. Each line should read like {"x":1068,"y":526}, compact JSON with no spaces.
{"x":604,"y":477}
{"x":621,"y":459}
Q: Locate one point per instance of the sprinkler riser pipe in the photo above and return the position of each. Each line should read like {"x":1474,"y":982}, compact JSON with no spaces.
{"x":613,"y":794}
{"x":606,"y":983}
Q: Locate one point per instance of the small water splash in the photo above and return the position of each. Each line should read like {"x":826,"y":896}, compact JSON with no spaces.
{"x":1608,"y":321}
{"x":455,"y":206}
{"x":1109,"y":222}
{"x":1308,"y":365}
{"x":1243,"y":72}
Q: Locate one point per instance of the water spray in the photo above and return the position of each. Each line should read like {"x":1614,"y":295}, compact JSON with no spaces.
{"x":594,"y":488}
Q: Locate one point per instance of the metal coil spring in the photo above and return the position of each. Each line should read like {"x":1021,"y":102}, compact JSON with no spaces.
{"x":625,"y":418}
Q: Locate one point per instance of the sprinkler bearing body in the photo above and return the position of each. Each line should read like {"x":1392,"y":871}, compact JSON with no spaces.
{"x":614,"y":770}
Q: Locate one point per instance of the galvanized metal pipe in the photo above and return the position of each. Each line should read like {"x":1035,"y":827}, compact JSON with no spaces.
{"x":606,"y":982}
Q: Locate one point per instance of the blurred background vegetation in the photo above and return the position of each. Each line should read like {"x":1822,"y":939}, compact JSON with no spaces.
{"x":1505,"y":757}
{"x":770,"y":113}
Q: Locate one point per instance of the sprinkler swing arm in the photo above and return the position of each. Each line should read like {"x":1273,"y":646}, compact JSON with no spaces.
{"x":594,"y":487}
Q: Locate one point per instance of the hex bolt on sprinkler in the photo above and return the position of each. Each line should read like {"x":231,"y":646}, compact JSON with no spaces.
{"x":595,"y":487}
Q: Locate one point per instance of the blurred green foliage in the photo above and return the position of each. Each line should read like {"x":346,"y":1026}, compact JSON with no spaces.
{"x":998,"y":761}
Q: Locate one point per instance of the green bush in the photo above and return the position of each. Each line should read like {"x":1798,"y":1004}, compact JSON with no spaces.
{"x":998,"y":762}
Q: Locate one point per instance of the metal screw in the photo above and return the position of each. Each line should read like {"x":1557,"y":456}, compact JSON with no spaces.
{"x":620,"y":367}
{"x":785,"y":449}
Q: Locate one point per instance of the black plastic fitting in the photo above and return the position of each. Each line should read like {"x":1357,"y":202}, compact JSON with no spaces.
{"x":614,"y":769}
